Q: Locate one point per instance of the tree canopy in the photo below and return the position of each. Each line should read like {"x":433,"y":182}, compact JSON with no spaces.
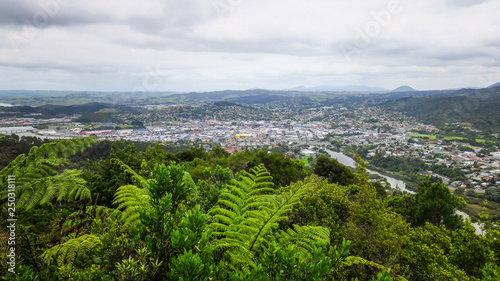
{"x":144,"y":213}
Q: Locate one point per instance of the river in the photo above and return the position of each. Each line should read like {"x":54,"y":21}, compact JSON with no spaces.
{"x":396,"y":184}
{"x":348,"y":161}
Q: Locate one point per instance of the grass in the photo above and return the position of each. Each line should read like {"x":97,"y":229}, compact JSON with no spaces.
{"x":305,"y":160}
{"x":431,"y":137}
{"x":453,"y":138}
{"x":475,"y":206}
{"x":462,"y":138}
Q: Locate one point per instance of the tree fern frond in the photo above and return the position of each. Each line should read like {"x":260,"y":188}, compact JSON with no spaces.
{"x":248,"y":213}
{"x":36,"y":180}
{"x":135,"y":176}
{"x":67,"y":252}
{"x":100,"y":211}
{"x":67,"y":185}
{"x":275,"y":213}
{"x":304,"y":236}
{"x":130,"y":198}
{"x":189,"y":182}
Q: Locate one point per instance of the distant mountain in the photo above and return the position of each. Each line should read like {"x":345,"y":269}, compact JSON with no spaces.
{"x":226,"y":103}
{"x":495,"y":85}
{"x":84,"y":108}
{"x":350,"y":88}
{"x":50,"y":110}
{"x":217,"y":95}
{"x":260,"y":99}
{"x":476,"y":106}
{"x":404,"y":89}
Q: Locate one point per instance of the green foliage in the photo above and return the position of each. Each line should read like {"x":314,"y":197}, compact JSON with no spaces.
{"x":473,"y":254}
{"x":67,"y":252}
{"x":155,"y":155}
{"x":257,"y":227}
{"x":139,"y":267}
{"x":402,"y":205}
{"x":406,"y":165}
{"x":105,"y":176}
{"x":23,"y":273}
{"x":435,"y":204}
{"x":129,"y":199}
{"x":287,"y":262}
{"x":191,"y":154}
{"x":210,"y":188}
{"x":248,"y":215}
{"x":332,"y":170}
{"x":377,"y":235}
{"x":177,"y":238}
{"x":284,"y":169}
{"x":95,"y":272}
{"x":324,"y":204}
{"x":302,"y":237}
{"x":425,"y":256}
{"x":13,"y":145}
{"x":37,"y":180}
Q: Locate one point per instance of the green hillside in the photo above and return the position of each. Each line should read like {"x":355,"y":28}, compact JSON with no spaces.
{"x":87,"y":210}
{"x":478,"y":107}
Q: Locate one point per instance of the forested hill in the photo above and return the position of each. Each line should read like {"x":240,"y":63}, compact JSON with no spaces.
{"x":477,"y":106}
{"x":97,"y":210}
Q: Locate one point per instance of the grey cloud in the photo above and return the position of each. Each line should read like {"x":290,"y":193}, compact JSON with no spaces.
{"x":114,"y":40}
{"x":173,"y":18}
{"x":37,"y":13}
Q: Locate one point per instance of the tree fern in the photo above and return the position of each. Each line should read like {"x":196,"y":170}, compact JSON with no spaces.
{"x":247,"y":216}
{"x":270,"y":215}
{"x":303,"y":235}
{"x":68,"y":185}
{"x":129,"y":199}
{"x":67,"y":252}
{"x":38,"y":182}
{"x":142,"y":182}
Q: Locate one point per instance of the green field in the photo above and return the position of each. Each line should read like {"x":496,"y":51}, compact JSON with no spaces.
{"x":433,"y":137}
{"x":305,"y":160}
{"x":421,"y":136}
{"x":453,"y":138}
{"x":462,"y":138}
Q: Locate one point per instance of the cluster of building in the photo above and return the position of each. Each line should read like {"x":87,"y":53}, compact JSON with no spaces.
{"x":387,"y":133}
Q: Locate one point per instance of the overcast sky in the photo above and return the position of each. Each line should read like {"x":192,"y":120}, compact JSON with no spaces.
{"x":202,"y":45}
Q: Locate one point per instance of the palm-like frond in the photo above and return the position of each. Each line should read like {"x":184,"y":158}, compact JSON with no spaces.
{"x":37,"y":181}
{"x":129,"y":199}
{"x":303,"y":235}
{"x":142,"y":182}
{"x":67,"y":252}
{"x":247,"y":217}
{"x":68,"y":185}
{"x":269,"y":215}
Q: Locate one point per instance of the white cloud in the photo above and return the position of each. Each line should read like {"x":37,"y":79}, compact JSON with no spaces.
{"x":109,"y":45}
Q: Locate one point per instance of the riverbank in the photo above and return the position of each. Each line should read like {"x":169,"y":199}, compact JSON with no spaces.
{"x":348,"y":161}
{"x":410,"y":185}
{"x":394,"y":179}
